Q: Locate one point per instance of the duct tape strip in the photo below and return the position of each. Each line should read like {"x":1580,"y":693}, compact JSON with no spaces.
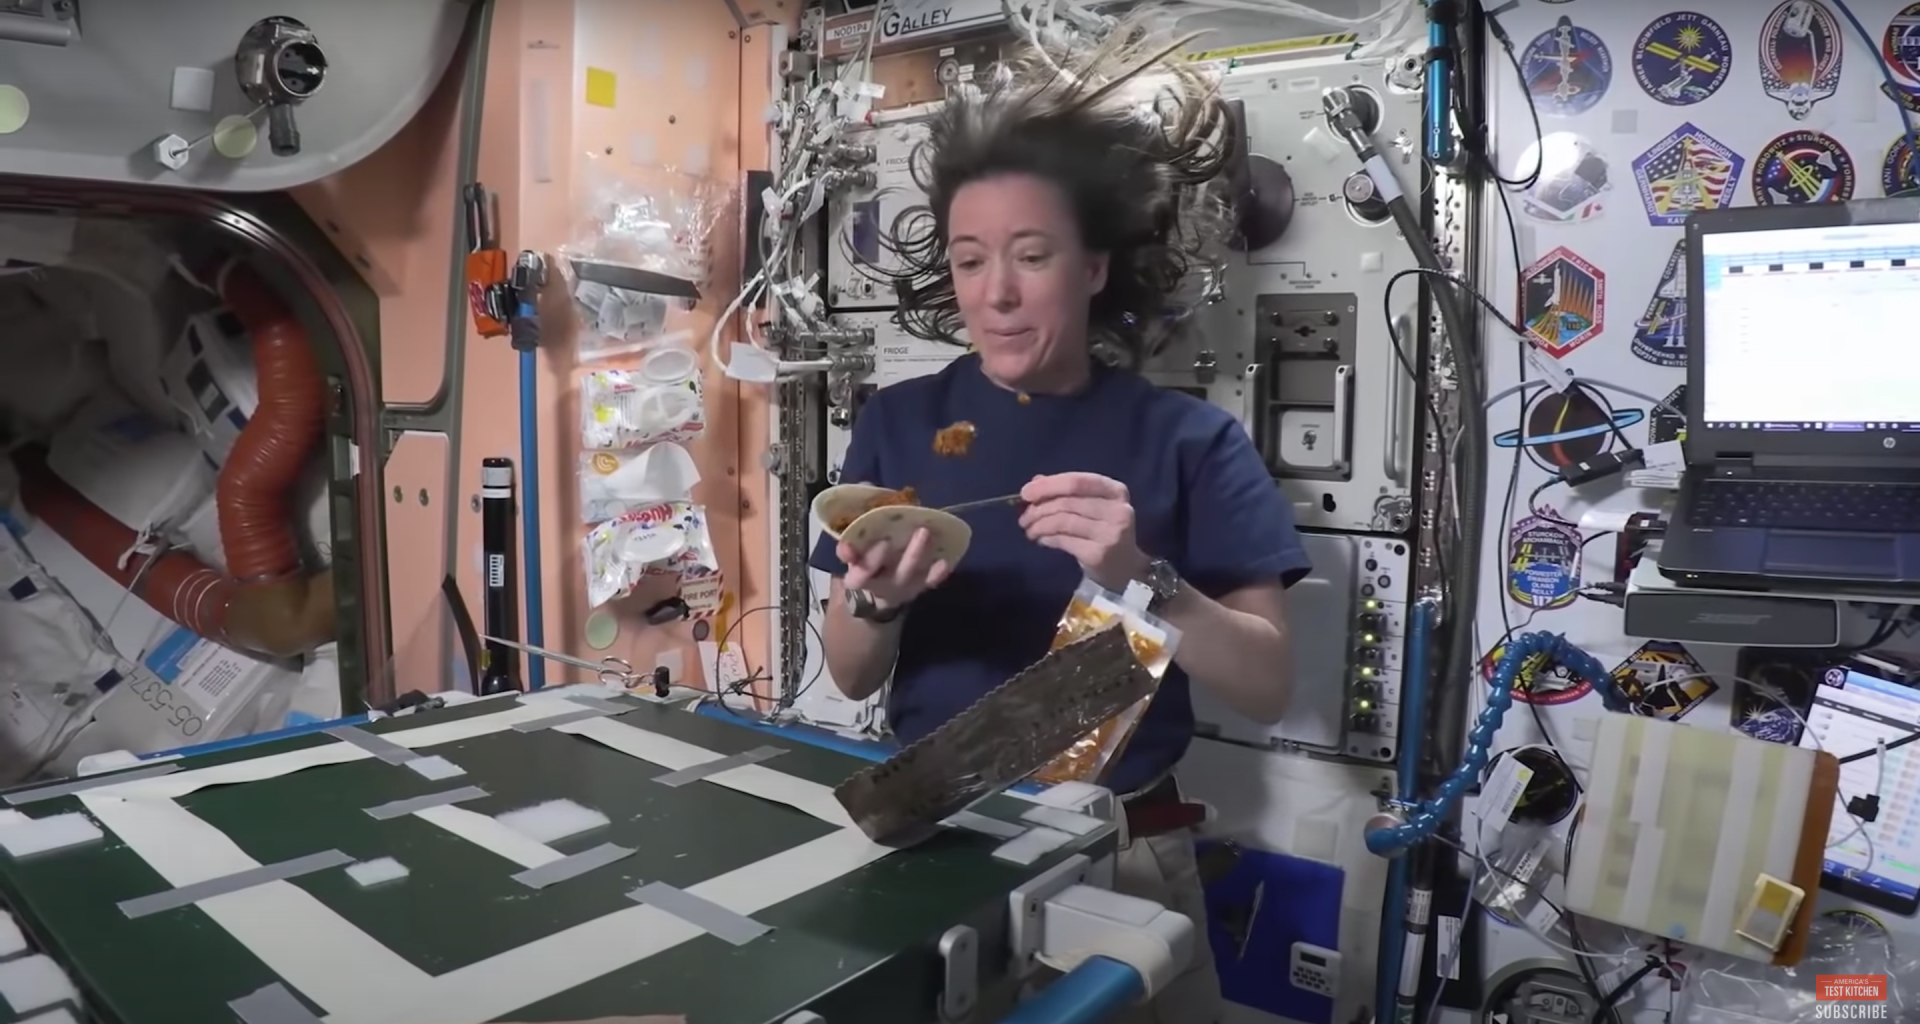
{"x":974,"y":821}
{"x":416,"y":804}
{"x":379,"y":746}
{"x":601,"y":704}
{"x":27,"y":796}
{"x":272,"y":1005}
{"x":725,"y":764}
{"x":709,"y":917}
{"x":187,"y":895}
{"x":563,"y":718}
{"x":573,"y":866}
{"x":353,"y":976}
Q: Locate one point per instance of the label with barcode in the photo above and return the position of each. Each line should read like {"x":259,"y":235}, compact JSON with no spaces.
{"x":1446,"y":955}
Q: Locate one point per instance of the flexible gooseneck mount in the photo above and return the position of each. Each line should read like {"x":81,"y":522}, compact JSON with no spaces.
{"x":1393,"y":831}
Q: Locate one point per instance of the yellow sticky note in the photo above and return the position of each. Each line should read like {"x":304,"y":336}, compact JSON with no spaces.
{"x":601,"y":86}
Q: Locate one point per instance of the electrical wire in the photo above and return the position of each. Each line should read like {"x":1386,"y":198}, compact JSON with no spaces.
{"x":1613,"y":997}
{"x":1534,"y":889}
{"x":744,"y":687}
{"x":1806,"y":730}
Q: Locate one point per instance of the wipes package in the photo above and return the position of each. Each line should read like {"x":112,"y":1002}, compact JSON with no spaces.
{"x":614,"y":483}
{"x":668,"y":539}
{"x":624,"y":409}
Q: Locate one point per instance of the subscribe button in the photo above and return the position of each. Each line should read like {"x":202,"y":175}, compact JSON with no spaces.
{"x":1851,"y":996}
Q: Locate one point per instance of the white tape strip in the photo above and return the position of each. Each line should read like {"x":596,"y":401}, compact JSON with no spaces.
{"x":298,"y":938}
{"x":1789,"y":813}
{"x":1070,"y":822}
{"x":273,"y":766}
{"x":676,"y":755}
{"x":1727,"y":888}
{"x":1650,"y":781}
{"x":485,"y":832}
{"x":974,"y":821}
{"x":1583,"y":875}
{"x":541,"y":969}
{"x":1072,"y":796}
{"x":1643,"y":878}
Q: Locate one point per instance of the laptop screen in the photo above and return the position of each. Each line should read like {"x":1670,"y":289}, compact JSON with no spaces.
{"x":1805,"y":328}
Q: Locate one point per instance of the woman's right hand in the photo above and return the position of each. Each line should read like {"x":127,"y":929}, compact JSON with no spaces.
{"x":894,"y":578}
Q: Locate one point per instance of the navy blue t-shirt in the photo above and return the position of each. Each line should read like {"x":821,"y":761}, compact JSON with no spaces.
{"x":1203,"y":500}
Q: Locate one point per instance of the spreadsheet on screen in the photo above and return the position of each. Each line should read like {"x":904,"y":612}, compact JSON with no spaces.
{"x":1852,"y":712}
{"x":1768,"y":295}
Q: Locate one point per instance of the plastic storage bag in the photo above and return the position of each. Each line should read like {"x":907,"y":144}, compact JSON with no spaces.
{"x":668,"y":539}
{"x":656,"y":220}
{"x":1092,"y":609}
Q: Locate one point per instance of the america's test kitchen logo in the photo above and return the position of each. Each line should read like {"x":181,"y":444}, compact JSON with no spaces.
{"x":1851,"y":996}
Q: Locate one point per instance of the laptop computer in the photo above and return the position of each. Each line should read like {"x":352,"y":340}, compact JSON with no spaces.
{"x":1803,"y":399}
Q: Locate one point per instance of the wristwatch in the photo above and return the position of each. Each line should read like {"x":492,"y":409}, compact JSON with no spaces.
{"x":1164,"y":580}
{"x":861,"y":605}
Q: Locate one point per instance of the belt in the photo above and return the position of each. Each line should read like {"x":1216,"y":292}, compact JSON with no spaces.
{"x":1158,"y":810}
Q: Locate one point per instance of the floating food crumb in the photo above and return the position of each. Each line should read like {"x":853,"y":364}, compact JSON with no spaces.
{"x":954,"y":441}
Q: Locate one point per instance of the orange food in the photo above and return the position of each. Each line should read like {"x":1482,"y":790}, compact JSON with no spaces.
{"x":1093,"y":754}
{"x":954,"y":441}
{"x":1082,"y":620}
{"x":903,"y":496}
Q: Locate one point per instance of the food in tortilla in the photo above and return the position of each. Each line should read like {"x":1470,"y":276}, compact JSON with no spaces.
{"x":955,"y":441}
{"x":844,"y":517}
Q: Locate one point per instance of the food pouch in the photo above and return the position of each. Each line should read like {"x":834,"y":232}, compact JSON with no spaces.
{"x":1092,"y":609}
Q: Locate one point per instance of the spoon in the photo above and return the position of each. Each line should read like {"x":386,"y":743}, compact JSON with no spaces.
{"x":968,"y":506}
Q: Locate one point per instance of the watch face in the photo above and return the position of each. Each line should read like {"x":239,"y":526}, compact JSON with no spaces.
{"x":1162,"y":577}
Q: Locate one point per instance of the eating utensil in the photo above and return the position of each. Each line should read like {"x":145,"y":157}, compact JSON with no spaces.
{"x":968,"y":506}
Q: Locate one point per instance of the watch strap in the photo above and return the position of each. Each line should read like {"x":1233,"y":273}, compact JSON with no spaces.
{"x":861,"y":605}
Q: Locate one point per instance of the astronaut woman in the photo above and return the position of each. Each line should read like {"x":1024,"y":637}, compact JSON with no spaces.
{"x":1066,"y":202}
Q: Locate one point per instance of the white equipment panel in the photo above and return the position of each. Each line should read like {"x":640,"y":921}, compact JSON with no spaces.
{"x":897,"y":357}
{"x":861,"y":217}
{"x":1298,"y":344}
{"x":1346,"y":692}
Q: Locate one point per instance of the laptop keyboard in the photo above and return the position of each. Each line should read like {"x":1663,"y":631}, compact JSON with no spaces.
{"x":1876,"y":507}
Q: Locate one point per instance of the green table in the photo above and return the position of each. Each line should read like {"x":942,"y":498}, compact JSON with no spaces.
{"x":860,"y":949}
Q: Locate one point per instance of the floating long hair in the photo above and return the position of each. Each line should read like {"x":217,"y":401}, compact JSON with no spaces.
{"x":1135,"y":136}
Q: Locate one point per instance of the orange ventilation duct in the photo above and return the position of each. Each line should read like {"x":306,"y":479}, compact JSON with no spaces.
{"x":269,"y":605}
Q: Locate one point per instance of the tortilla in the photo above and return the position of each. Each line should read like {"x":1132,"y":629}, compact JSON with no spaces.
{"x":838,"y":507}
{"x":949,"y":534}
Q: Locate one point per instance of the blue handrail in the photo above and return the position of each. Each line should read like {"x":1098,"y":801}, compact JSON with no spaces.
{"x":1091,"y":993}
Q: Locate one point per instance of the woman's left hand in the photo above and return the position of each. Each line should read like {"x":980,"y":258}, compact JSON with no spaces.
{"x":1090,"y":517}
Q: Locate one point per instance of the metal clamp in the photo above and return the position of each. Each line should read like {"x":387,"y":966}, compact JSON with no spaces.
{"x":960,"y":973}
